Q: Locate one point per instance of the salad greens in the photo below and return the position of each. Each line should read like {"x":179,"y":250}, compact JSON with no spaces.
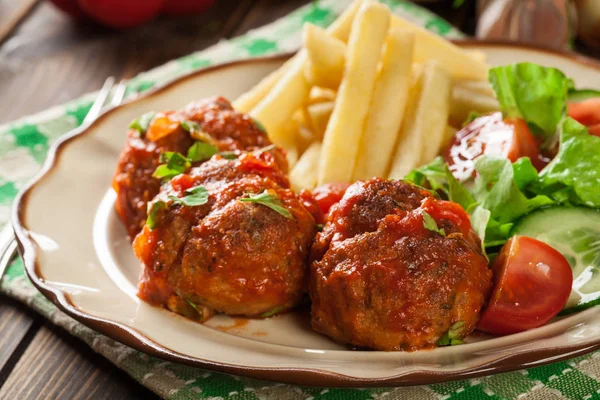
{"x":573,"y":176}
{"x":534,"y":93}
{"x":503,"y":192}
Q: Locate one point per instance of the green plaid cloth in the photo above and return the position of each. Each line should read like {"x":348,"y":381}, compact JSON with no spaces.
{"x":23,"y":147}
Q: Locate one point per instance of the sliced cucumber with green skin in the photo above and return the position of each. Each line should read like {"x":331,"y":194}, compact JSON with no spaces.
{"x":575,"y":232}
{"x":575,"y":96}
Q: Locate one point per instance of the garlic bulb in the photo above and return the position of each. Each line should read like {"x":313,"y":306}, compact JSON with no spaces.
{"x":589,"y":21}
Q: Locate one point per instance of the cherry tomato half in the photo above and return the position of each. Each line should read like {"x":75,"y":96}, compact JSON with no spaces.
{"x":491,"y":134}
{"x":122,"y":14}
{"x":329,"y":194}
{"x":532,"y":283}
{"x":587,"y":112}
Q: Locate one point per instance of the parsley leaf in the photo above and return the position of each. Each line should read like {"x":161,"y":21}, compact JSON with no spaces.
{"x":142,"y":123}
{"x":229,"y":155}
{"x":155,"y":208}
{"x":176,"y":163}
{"x":264,"y":149}
{"x":260,"y":126}
{"x":452,"y":337}
{"x":272,"y":312}
{"x":430,"y":224}
{"x":195,"y":307}
{"x":196,"y":196}
{"x":190,"y":126}
{"x":196,"y":131}
{"x":201,"y":151}
{"x":320,"y":227}
{"x":268,"y":200}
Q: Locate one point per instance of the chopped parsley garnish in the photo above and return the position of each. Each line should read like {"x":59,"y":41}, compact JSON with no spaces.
{"x":196,"y":196}
{"x":268,"y":200}
{"x":196,"y":131}
{"x":320,"y":227}
{"x":264,"y":149}
{"x":272,"y":312}
{"x":201,"y":151}
{"x":176,"y":163}
{"x":195,"y":307}
{"x":260,"y":126}
{"x":155,"y":208}
{"x":452,"y":337}
{"x":190,"y":126}
{"x":430,"y":224}
{"x":142,"y":123}
{"x":229,"y":155}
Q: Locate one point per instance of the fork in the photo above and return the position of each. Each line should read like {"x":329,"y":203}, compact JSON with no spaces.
{"x":8,"y":243}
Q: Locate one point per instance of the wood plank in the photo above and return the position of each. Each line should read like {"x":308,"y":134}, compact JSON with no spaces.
{"x":52,"y":59}
{"x":16,"y":324}
{"x":59,"y":366}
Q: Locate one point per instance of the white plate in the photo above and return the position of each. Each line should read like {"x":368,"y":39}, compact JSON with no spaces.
{"x":77,"y":253}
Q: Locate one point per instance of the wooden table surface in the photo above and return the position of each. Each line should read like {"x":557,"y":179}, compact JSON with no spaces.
{"x":47,"y":60}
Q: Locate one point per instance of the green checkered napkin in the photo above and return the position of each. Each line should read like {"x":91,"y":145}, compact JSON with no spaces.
{"x":23,"y":147}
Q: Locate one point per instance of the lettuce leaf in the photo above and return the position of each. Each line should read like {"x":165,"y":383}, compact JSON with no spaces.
{"x":535,"y":93}
{"x":497,"y":190}
{"x":498,"y":197}
{"x":437,"y":176}
{"x":573,"y":177}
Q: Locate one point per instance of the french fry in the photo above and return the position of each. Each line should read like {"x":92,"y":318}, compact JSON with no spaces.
{"x":465,"y":100}
{"x":326,"y":57}
{"x":339,"y":29}
{"x":482,"y":87}
{"x":423,"y":131}
{"x":477,"y":55}
{"x":321,"y":95}
{"x":387,"y":107}
{"x":251,"y":98}
{"x":275,"y":110}
{"x":305,"y":138}
{"x":305,"y":172}
{"x":428,"y":46}
{"x":318,"y":116}
{"x":449,"y":134}
{"x":344,"y":131}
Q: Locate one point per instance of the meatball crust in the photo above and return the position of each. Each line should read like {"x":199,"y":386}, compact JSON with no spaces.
{"x":221,"y":126}
{"x":229,"y":256}
{"x":387,"y":282}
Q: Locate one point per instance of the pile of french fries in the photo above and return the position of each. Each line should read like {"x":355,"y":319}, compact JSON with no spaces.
{"x":372,"y":95}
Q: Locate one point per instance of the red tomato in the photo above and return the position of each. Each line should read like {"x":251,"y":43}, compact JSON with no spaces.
{"x":491,"y":134}
{"x":181,"y":7}
{"x":587,"y":112}
{"x":329,"y":194}
{"x":594,"y":130}
{"x":532,"y":283}
{"x":70,"y":7}
{"x":122,"y":13}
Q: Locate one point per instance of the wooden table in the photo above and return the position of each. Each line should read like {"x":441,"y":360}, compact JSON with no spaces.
{"x":49,"y":59}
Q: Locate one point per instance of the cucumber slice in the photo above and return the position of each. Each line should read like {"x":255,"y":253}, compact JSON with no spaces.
{"x":575,"y":232}
{"x":576,"y":96}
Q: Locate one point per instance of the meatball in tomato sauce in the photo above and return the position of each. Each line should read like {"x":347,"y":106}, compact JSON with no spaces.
{"x":395,"y":269}
{"x":242,"y":250}
{"x":212,"y":121}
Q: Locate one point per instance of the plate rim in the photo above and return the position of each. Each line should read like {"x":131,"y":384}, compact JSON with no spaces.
{"x":299,"y":376}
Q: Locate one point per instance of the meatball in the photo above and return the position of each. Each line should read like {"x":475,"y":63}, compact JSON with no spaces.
{"x":221,"y":126}
{"x":229,"y":255}
{"x":385,"y":278}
